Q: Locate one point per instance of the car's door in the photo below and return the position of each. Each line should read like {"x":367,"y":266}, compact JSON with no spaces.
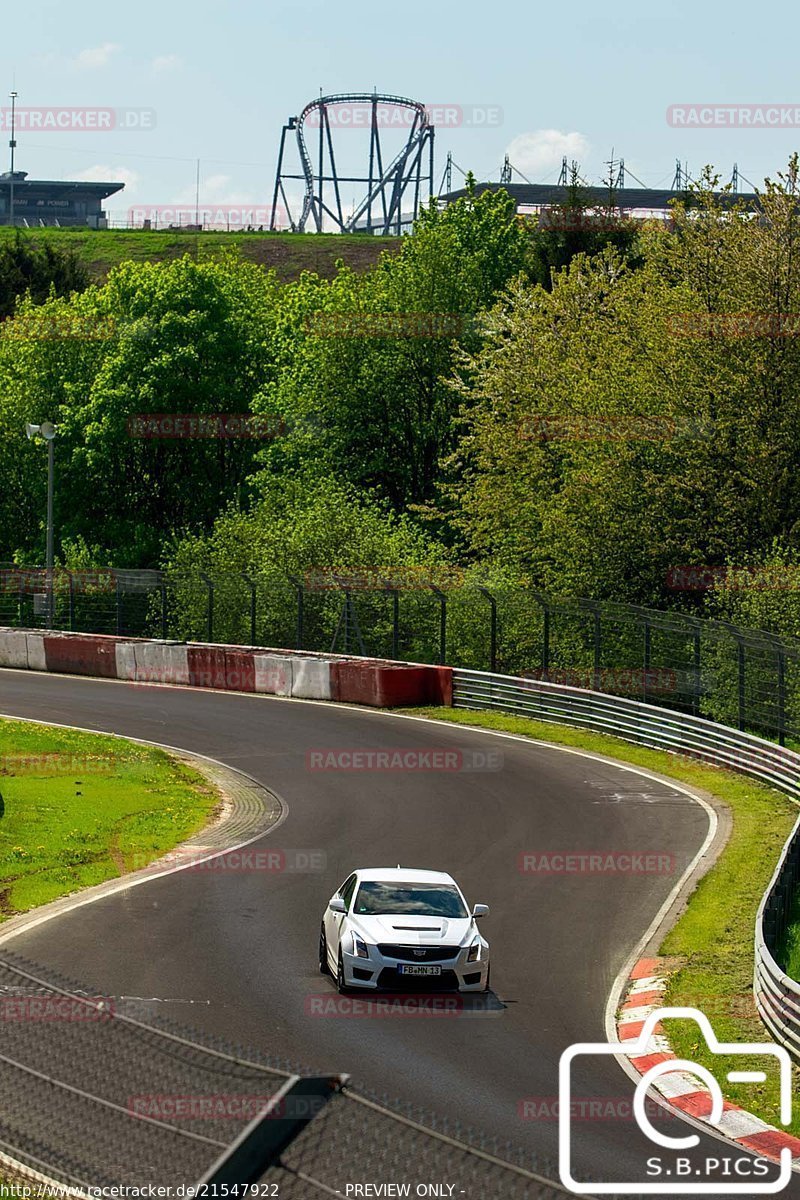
{"x":334,"y":920}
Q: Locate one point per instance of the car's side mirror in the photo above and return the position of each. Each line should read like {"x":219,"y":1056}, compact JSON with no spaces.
{"x":480,"y":910}
{"x":337,"y":904}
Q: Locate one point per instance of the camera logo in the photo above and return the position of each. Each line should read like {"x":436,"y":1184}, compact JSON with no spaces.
{"x":643,"y":1046}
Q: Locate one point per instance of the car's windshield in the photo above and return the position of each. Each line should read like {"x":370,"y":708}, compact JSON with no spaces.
{"x":409,"y":899}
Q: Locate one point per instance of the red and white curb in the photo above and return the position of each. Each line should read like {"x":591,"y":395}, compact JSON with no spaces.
{"x":645,"y":993}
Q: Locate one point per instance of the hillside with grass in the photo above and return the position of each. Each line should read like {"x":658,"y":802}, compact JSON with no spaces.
{"x":289,"y":254}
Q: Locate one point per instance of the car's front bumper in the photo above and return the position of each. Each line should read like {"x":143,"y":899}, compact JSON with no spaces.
{"x":379,"y":972}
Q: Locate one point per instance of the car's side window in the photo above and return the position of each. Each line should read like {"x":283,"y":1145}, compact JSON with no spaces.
{"x":347,"y":889}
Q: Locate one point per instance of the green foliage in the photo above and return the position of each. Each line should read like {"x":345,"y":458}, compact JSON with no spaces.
{"x":38,"y":271}
{"x":182,"y":338}
{"x":616,"y":428}
{"x":365,"y":358}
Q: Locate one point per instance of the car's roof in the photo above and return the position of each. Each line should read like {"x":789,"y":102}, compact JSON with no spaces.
{"x":403,"y":875}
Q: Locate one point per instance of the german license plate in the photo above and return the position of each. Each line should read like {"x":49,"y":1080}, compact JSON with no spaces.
{"x":414,"y":969}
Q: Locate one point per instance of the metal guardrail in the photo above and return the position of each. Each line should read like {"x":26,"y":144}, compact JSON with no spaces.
{"x":777,"y":996}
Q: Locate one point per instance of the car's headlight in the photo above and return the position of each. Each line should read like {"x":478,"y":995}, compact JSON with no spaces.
{"x":360,"y":946}
{"x":474,"y":951}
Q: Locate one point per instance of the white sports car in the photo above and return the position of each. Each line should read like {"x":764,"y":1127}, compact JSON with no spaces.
{"x":395,"y":928}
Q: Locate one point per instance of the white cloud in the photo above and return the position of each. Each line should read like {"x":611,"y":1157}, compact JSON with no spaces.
{"x":97,"y":56}
{"x":540,"y":152}
{"x":103,"y":174}
{"x":216,"y":189}
{"x":167,"y":62}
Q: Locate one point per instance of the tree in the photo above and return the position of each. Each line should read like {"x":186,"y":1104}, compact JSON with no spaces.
{"x":634,"y":420}
{"x":168,"y":338}
{"x":364,"y":382}
{"x":40,"y":270}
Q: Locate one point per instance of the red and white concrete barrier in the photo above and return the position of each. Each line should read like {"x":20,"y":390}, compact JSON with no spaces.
{"x":270,"y":671}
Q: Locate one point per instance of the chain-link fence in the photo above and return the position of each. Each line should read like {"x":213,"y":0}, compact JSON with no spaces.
{"x":93,"y":1096}
{"x":744,"y":678}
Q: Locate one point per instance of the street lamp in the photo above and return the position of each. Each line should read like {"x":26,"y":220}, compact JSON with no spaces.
{"x":12,"y":146}
{"x":47,"y":430}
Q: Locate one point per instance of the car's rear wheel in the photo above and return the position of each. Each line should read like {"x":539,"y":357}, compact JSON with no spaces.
{"x":323,"y":952}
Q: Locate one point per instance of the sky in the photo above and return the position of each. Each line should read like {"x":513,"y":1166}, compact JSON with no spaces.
{"x":216,"y":82}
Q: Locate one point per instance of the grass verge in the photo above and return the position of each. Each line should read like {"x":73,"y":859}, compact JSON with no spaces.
{"x":711,"y":944}
{"x":80,"y":808}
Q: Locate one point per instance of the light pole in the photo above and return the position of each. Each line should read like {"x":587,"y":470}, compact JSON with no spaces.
{"x":47,"y":430}
{"x":12,"y":146}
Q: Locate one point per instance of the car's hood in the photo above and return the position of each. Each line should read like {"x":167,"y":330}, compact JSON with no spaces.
{"x":413,"y":931}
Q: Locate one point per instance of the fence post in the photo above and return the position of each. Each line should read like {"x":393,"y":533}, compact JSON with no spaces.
{"x":298,"y":583}
{"x":492,"y":628}
{"x":741,"y":672}
{"x":395,"y":594}
{"x":597,"y":649}
{"x":697,"y":675}
{"x":210,"y":614}
{"x":162,"y":587}
{"x":647,"y":632}
{"x":251,"y":584}
{"x":261,"y":1143}
{"x":437,"y":591}
{"x":118,"y":590}
{"x":71,"y":601}
{"x":781,"y":696}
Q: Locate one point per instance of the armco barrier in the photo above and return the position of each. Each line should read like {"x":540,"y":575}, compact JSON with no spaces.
{"x":777,"y":995}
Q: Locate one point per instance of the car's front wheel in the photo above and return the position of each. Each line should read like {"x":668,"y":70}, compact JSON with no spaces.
{"x":324,"y":969}
{"x":341,"y":986}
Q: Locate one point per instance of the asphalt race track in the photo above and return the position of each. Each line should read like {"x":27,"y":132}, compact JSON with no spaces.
{"x":234,"y":952}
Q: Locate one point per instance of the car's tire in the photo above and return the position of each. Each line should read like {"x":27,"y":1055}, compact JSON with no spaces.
{"x":341,"y":986}
{"x":488,"y":978}
{"x":324,"y":969}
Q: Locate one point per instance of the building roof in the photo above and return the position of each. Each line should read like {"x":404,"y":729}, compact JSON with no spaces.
{"x":61,"y":188}
{"x":544,"y":194}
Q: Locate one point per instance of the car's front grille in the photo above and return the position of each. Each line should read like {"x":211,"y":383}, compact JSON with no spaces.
{"x":420,"y":953}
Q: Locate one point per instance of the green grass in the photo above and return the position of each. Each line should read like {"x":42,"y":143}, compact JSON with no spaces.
{"x":712,"y":943}
{"x":81,"y":808}
{"x":287,"y":253}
